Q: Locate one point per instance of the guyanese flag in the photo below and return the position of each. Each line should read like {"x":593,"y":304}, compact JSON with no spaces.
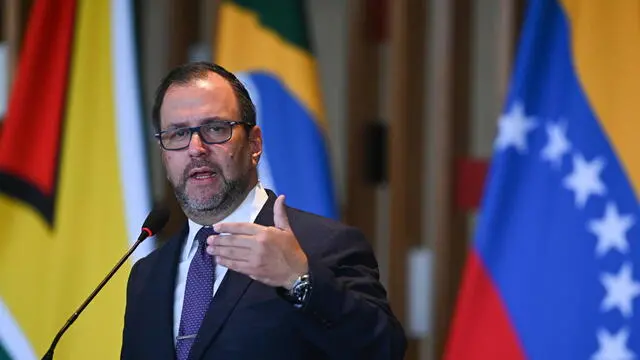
{"x":73,"y":182}
{"x":266,"y":44}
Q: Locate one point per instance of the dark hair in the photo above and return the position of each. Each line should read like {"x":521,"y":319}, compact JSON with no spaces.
{"x":188,"y":72}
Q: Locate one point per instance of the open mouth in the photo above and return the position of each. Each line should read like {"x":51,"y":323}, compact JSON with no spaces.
{"x":201,"y":174}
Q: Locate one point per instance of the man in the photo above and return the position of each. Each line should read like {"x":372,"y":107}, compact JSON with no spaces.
{"x":266,"y":281}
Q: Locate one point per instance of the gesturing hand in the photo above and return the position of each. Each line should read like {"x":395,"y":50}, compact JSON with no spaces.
{"x":271,"y":255}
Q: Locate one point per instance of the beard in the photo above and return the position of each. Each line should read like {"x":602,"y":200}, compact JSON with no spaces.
{"x":231,"y":193}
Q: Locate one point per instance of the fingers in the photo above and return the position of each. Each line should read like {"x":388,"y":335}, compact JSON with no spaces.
{"x":234,"y":247}
{"x":238,"y":228}
{"x":240,"y":254}
{"x":235,"y":265}
{"x":231,"y":240}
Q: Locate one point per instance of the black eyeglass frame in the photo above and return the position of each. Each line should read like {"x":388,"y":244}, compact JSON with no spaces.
{"x":194,"y":129}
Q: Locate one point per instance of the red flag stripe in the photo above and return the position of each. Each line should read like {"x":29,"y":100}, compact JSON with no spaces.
{"x":485,"y":334}
{"x":30,"y":138}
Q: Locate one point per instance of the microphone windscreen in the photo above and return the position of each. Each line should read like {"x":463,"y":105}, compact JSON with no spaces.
{"x":156,"y":220}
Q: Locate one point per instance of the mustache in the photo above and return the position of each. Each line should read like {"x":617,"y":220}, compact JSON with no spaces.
{"x":200,"y":163}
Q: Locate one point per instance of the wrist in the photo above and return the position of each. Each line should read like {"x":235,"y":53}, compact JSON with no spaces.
{"x":296,"y":275}
{"x":294,"y":278}
{"x":298,"y":287}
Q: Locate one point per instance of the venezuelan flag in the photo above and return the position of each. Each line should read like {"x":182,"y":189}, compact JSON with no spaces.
{"x":265,"y":43}
{"x":554,"y":271}
{"x":73,"y":184}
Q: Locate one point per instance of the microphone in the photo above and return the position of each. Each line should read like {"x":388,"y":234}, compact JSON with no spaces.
{"x":155,"y":221}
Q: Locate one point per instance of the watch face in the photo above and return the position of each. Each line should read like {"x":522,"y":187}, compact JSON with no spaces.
{"x":300,"y":290}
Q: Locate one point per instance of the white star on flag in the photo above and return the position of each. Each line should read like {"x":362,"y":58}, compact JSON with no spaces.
{"x":513,"y":128}
{"x":611,"y":230}
{"x":557,"y":145}
{"x":621,"y":290}
{"x":585,"y":179}
{"x":613,"y":346}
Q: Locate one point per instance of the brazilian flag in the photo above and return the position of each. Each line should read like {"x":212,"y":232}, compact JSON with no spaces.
{"x":266,"y":44}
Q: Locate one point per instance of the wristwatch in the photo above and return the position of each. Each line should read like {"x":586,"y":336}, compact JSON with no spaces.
{"x":300,"y":290}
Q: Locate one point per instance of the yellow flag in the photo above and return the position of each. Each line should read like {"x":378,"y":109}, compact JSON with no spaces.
{"x":73,"y":186}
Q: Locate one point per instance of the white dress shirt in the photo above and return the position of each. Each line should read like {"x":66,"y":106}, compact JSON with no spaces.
{"x":246,"y":212}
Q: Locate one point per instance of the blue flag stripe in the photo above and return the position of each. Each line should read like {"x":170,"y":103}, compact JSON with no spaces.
{"x":298,"y":162}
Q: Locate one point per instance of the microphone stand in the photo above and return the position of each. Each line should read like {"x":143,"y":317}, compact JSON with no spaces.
{"x":74,"y":316}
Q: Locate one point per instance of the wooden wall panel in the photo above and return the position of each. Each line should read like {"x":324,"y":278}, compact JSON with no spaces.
{"x":363,"y":69}
{"x":453,"y":133}
{"x":407,"y":43}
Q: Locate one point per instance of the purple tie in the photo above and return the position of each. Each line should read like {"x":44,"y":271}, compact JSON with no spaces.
{"x":197,"y":294}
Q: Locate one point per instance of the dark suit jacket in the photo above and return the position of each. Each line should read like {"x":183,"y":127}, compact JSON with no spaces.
{"x":346,"y":317}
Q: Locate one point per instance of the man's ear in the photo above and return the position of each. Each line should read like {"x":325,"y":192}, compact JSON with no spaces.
{"x":255,"y":144}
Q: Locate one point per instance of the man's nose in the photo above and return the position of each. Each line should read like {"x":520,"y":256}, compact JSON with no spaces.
{"x":197,"y":147}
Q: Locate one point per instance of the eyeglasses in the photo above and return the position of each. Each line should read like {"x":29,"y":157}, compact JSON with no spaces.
{"x":216,"y":132}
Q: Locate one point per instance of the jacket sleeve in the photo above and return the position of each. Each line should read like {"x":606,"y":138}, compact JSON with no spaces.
{"x":347,"y":314}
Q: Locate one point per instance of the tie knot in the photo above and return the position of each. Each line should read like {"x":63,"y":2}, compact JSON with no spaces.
{"x":204,"y":233}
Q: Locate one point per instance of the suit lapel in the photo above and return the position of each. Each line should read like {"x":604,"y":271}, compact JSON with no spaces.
{"x":161,"y":295}
{"x":230,"y":292}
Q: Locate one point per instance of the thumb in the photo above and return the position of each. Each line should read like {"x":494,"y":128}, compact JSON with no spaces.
{"x":280,"y":219}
